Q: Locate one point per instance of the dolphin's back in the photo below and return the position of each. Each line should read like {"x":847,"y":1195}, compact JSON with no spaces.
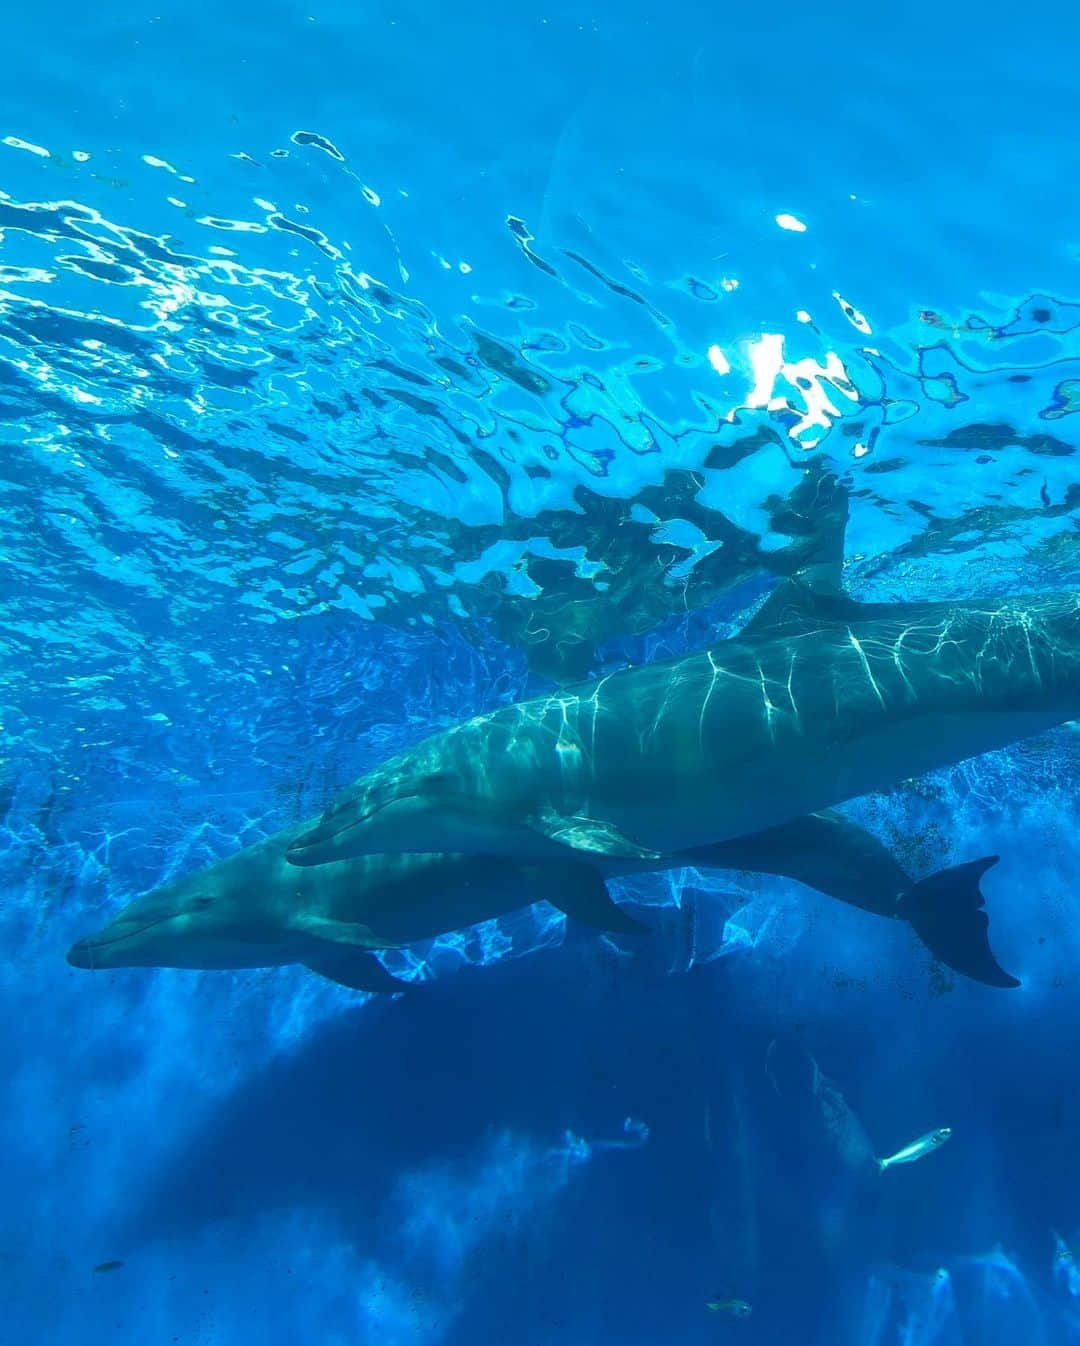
{"x":795,"y":718}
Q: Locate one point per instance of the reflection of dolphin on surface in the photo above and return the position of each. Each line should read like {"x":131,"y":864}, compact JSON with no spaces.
{"x":253,"y":909}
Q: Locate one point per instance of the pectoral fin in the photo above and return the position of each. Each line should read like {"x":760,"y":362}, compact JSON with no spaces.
{"x":348,"y":933}
{"x":589,"y":834}
{"x":580,"y":892}
{"x":349,"y":967}
{"x":340,"y":952}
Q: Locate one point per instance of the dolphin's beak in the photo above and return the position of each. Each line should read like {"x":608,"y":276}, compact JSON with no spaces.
{"x":81,"y":954}
{"x":343,"y":832}
{"x":314,"y":847}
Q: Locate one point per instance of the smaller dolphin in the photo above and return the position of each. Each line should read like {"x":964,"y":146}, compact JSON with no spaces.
{"x":254,"y":909}
{"x":822,"y":1113}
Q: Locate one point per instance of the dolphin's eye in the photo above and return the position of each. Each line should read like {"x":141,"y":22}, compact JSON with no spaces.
{"x":201,"y":903}
{"x":438,"y":780}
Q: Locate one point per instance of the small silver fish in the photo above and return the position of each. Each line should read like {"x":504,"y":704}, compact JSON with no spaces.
{"x":933,"y":1140}
{"x":738,"y":1308}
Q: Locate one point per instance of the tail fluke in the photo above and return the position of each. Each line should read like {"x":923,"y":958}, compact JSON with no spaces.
{"x":947,"y":913}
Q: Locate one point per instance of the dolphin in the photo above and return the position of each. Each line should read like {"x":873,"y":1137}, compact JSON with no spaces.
{"x":254,"y":909}
{"x":818,"y":700}
{"x":824,"y":1116}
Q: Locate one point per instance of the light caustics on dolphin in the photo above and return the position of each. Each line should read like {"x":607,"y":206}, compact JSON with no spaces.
{"x":819,"y":700}
{"x":254,"y":909}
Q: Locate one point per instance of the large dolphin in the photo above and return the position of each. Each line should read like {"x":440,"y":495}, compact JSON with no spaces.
{"x":254,"y":909}
{"x":820,"y":699}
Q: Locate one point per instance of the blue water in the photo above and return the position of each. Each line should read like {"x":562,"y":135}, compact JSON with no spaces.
{"x":361,"y":371}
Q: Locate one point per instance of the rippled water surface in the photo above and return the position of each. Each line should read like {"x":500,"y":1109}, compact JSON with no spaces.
{"x":359,"y":372}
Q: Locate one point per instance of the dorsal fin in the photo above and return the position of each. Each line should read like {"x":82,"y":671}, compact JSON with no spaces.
{"x":795,"y":605}
{"x":815,"y":517}
{"x":816,"y":514}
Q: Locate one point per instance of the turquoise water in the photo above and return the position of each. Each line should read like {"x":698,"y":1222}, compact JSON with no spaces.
{"x":359,"y":373}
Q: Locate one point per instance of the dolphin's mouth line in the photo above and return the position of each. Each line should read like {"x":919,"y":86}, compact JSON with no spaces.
{"x":381,"y":808}
{"x":92,"y":947}
{"x":336,"y":827}
{"x":374,"y":813}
